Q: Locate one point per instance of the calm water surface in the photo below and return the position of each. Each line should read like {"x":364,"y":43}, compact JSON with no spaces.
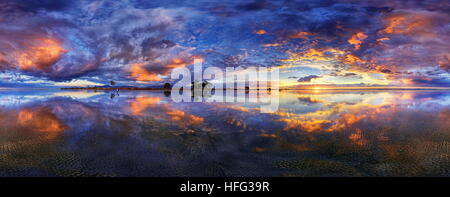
{"x":144,"y":133}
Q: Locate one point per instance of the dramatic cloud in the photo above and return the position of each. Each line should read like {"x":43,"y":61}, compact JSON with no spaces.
{"x":107,"y":42}
{"x":139,"y":42}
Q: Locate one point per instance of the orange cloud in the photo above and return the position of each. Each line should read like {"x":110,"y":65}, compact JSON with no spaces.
{"x":303,"y":35}
{"x":356,"y":39}
{"x":313,"y":55}
{"x":329,"y":58}
{"x":178,"y":62}
{"x":404,"y":23}
{"x":261,"y":32}
{"x":352,"y":59}
{"x":43,"y":56}
{"x":382,"y":39}
{"x":141,"y":74}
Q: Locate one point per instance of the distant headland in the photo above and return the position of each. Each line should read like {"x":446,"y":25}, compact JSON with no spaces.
{"x":166,"y":86}
{"x":115,"y":88}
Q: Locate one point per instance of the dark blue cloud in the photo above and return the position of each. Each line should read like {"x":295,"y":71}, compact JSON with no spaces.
{"x":104,"y":39}
{"x":308,"y":78}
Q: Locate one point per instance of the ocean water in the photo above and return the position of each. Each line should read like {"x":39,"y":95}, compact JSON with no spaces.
{"x":145,"y":133}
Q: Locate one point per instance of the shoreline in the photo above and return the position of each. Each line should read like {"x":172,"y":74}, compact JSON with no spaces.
{"x":280,"y":89}
{"x":79,"y":88}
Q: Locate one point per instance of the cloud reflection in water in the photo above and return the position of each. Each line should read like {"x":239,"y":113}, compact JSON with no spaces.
{"x":326,"y":133}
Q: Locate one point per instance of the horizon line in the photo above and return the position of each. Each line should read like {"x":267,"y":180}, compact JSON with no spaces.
{"x":280,"y":88}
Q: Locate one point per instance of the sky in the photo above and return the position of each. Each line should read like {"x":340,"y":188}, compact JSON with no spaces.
{"x":64,"y":43}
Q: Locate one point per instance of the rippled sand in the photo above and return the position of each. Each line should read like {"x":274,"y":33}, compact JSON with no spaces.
{"x":138,"y":133}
